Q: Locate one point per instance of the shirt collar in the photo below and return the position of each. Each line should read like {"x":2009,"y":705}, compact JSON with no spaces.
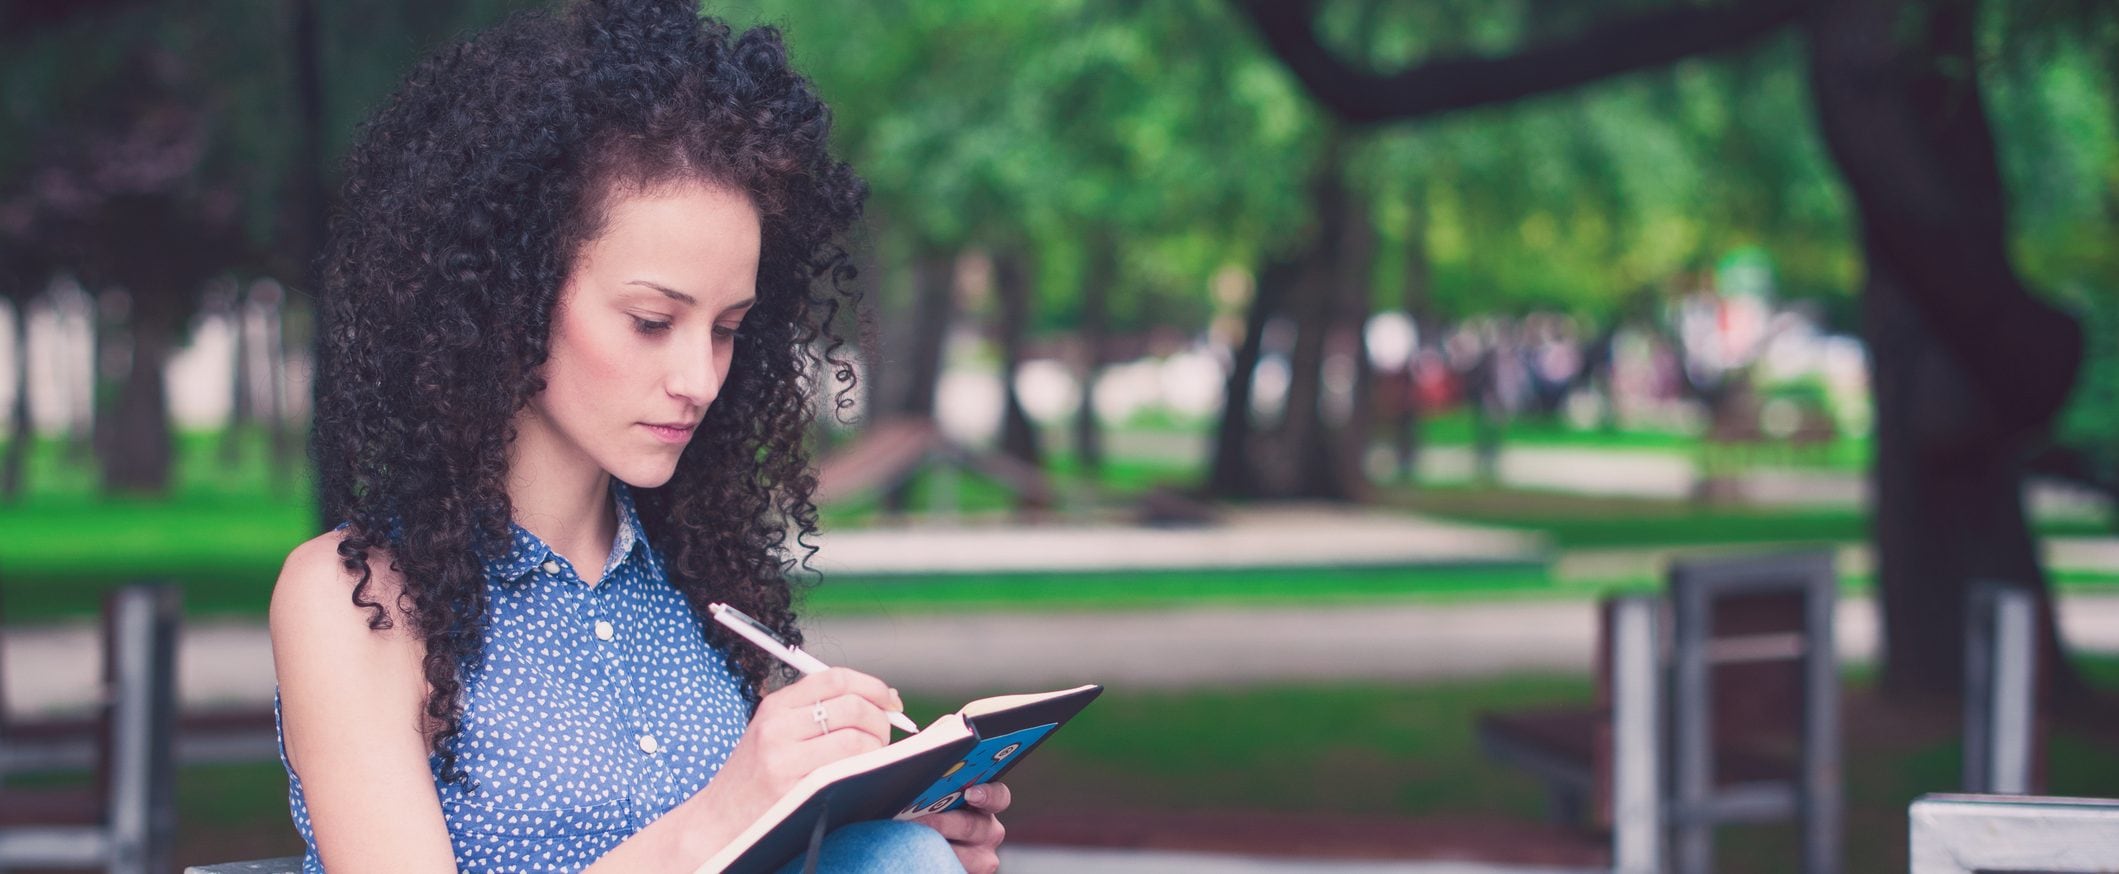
{"x":629,"y":534}
{"x":526,"y":551}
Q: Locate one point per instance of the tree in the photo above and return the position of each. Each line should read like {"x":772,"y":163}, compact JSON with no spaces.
{"x":125,"y":192}
{"x":23,"y":272}
{"x":1053,"y":136}
{"x":1970,"y":367}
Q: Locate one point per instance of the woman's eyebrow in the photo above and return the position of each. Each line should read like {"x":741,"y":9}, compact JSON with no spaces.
{"x":668,"y":292}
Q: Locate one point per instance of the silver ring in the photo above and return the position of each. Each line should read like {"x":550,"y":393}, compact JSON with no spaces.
{"x":823,"y":724}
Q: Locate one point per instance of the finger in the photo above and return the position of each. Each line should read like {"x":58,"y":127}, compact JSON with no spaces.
{"x":854,"y":682}
{"x":977,"y":859}
{"x":841,"y":681}
{"x":838,"y":745}
{"x":989,"y":797}
{"x":964,"y":826}
{"x":955,"y":825}
{"x":848,"y":713}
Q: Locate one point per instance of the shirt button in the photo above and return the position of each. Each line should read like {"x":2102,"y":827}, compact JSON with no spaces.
{"x":551,"y":567}
{"x":604,"y":631}
{"x":648,"y":744}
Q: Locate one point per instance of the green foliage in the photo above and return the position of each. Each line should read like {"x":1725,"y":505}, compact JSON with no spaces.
{"x":1165,"y":126}
{"x":2053,"y":92}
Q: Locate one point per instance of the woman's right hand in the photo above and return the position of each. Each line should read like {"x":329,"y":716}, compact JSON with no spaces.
{"x":786,"y":740}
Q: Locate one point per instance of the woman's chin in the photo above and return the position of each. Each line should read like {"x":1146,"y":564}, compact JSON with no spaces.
{"x":646,"y":476}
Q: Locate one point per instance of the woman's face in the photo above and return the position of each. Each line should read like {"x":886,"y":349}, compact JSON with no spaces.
{"x":644,"y":332}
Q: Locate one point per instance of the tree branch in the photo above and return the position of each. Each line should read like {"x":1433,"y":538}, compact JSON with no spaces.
{"x":1450,"y":83}
{"x":27,"y":18}
{"x":1900,"y":109}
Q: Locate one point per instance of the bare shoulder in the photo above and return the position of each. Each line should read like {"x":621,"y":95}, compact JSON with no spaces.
{"x":335,"y":671}
{"x":351,"y":703}
{"x":324,"y":642}
{"x":314,"y":595}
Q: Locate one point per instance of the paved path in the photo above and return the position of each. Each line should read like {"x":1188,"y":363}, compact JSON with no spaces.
{"x":226,"y":663}
{"x":2082,"y":554}
{"x":1291,"y":535}
{"x":1671,"y":475}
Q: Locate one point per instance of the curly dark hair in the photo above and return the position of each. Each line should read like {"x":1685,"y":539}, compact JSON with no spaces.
{"x":467,"y":199}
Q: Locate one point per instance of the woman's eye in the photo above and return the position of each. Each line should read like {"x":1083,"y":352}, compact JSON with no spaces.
{"x":727,"y":332}
{"x":649,"y":326}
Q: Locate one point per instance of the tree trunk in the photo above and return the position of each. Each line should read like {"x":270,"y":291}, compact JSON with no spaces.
{"x":1310,"y":460}
{"x":239,"y":388}
{"x":18,"y":424}
{"x":275,"y":344}
{"x":915,"y":361}
{"x":1231,"y":474}
{"x":1096,"y":307}
{"x":1948,"y":490}
{"x":1970,"y":368}
{"x":1419,"y":278}
{"x":1291,"y":467}
{"x":134,"y":441}
{"x":312,"y":200}
{"x":1011,"y":289}
{"x":1340,"y":461}
{"x":909,"y":368}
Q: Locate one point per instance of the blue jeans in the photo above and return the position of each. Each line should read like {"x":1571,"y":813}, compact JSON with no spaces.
{"x":883,"y":846}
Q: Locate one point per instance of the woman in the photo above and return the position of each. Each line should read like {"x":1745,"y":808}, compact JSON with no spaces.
{"x":573,"y":298}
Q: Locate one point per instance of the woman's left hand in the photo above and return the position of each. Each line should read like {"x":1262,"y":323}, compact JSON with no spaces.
{"x":973,"y":830}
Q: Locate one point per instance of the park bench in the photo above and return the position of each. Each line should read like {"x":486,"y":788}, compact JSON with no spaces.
{"x":1759,"y":632}
{"x":124,"y":821}
{"x":887,"y":454}
{"x":1964,"y":834}
{"x":2004,"y":736}
{"x":68,"y":743}
{"x":284,"y":865}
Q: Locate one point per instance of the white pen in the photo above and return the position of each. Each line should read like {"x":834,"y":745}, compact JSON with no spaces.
{"x":756,"y":632}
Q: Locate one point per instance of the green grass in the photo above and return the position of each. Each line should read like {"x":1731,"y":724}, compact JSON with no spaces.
{"x":224,"y":529}
{"x":1410,"y":750}
{"x":1454,"y":428}
{"x":1350,"y":748}
{"x":848,"y":594}
{"x":221,"y":532}
{"x":1151,"y":590}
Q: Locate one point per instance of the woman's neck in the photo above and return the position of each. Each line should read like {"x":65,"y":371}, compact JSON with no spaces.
{"x":566,"y":502}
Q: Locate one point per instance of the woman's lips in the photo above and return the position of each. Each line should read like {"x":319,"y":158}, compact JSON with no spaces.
{"x":669,"y":433}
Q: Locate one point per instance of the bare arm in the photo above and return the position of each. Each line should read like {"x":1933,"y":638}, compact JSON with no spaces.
{"x":350,"y":702}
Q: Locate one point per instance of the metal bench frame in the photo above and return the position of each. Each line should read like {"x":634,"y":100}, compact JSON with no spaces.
{"x":2001,"y":690}
{"x":1698,"y":803}
{"x":1964,"y":834}
{"x":139,"y":789}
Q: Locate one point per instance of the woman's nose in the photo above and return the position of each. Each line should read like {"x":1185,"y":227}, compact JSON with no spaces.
{"x":695,"y":374}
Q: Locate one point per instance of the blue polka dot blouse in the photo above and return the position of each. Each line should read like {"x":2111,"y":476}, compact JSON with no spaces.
{"x":599,"y":707}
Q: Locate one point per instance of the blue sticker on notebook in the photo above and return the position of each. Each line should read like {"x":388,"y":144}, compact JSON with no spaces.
{"x":979,"y":765}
